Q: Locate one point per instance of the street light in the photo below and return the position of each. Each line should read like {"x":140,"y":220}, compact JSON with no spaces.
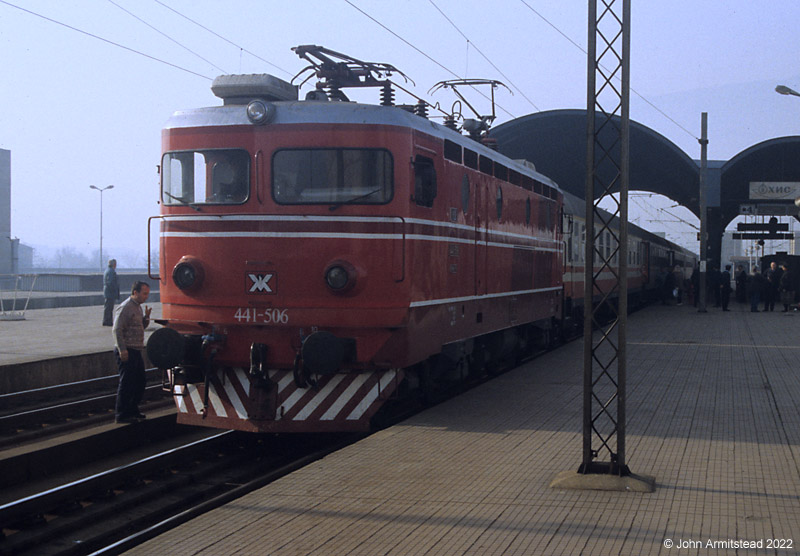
{"x":101,"y":189}
{"x":784,"y":90}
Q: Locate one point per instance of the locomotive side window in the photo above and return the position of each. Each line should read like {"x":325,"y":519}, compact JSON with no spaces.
{"x":452,"y":151}
{"x":205,"y":177}
{"x":424,"y":181}
{"x":332,"y":176}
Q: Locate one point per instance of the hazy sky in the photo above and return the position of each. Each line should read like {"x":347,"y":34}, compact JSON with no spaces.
{"x":75,"y":110}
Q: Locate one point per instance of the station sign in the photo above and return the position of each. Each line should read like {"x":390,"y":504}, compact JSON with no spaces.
{"x":774,"y":190}
{"x":769,"y":236}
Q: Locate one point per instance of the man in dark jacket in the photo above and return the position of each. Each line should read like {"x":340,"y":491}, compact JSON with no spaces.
{"x":725,"y":287}
{"x":110,"y":292}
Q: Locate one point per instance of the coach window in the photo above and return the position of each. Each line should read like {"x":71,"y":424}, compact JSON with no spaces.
{"x":583,"y":243}
{"x":424,"y":181}
{"x":205,"y":177}
{"x":332,"y":176}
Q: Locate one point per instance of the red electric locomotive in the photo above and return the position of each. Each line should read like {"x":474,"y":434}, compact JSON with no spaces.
{"x":320,"y":257}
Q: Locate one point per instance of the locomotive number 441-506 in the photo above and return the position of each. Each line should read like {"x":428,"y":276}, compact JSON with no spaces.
{"x":266,"y":316}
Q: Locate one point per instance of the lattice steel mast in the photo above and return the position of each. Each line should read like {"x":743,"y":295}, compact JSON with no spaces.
{"x":608,"y":87}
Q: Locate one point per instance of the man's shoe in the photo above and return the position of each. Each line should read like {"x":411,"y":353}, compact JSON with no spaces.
{"x":140,"y":416}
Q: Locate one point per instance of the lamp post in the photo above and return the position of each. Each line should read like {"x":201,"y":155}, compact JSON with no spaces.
{"x":101,"y":189}
{"x":784,"y":90}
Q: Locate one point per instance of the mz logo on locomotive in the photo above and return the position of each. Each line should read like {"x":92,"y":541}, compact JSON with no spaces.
{"x":261,"y":283}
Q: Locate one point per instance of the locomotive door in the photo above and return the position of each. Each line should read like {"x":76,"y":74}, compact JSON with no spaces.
{"x":481,"y":236}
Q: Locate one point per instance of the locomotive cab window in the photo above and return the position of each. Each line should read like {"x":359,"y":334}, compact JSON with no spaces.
{"x":332,"y":176}
{"x":205,"y":177}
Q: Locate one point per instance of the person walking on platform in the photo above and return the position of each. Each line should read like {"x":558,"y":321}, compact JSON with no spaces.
{"x":725,"y":287}
{"x":110,"y":292}
{"x":741,"y":284}
{"x":785,"y":287}
{"x":755,"y":283}
{"x":129,"y":325}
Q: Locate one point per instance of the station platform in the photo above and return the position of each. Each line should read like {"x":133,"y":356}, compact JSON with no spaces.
{"x":54,"y":346}
{"x":713,"y":404}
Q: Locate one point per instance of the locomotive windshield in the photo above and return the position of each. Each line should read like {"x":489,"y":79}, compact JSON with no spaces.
{"x":332,"y":176}
{"x":205,"y":177}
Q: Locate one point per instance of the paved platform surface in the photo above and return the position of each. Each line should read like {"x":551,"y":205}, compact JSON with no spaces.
{"x":54,"y":333}
{"x":713,"y":404}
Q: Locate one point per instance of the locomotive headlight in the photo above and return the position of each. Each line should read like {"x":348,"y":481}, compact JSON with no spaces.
{"x":187,"y":274}
{"x":337,"y":277}
{"x":260,"y":112}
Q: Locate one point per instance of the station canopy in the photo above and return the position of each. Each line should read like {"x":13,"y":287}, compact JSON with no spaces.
{"x":555,"y":142}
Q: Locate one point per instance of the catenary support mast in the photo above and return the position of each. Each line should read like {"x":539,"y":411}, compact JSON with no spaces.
{"x":605,"y":281}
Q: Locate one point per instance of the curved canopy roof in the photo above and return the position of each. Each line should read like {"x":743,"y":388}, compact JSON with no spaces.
{"x":555,"y":141}
{"x":774,"y":160}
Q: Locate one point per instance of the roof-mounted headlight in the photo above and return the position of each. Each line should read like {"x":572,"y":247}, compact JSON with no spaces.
{"x":260,"y":112}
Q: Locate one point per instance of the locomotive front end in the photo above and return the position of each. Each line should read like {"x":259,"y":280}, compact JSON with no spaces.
{"x":278,"y":253}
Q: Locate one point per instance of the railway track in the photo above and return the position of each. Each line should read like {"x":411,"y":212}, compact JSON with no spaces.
{"x":113,"y":510}
{"x":33,"y":414}
{"x":120,"y":507}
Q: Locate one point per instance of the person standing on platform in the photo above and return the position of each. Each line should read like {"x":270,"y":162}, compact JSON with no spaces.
{"x":772,"y":277}
{"x":695,"y":281}
{"x":785,"y":287}
{"x":129,"y":325}
{"x":725,"y":287}
{"x":110,"y":292}
{"x":741,"y":284}
{"x":755,"y":283}
{"x":679,"y":279}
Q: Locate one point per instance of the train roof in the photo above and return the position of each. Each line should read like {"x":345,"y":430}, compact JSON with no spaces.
{"x":576,"y":206}
{"x":337,"y":112}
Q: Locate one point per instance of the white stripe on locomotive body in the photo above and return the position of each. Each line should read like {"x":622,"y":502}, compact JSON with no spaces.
{"x":345,"y":235}
{"x":243,"y":380}
{"x":325,"y":113}
{"x":314,"y":235}
{"x":428,"y":302}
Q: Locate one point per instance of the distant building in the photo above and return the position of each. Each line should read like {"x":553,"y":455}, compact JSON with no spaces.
{"x":14,"y":257}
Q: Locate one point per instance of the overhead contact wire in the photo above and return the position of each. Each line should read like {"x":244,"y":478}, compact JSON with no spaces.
{"x":133,"y":15}
{"x":243,"y":49}
{"x":469,"y":42}
{"x":88,"y":34}
{"x":582,"y":49}
{"x":448,"y":70}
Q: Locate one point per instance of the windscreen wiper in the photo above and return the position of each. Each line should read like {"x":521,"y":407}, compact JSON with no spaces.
{"x":353,"y":200}
{"x":181,"y":201}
